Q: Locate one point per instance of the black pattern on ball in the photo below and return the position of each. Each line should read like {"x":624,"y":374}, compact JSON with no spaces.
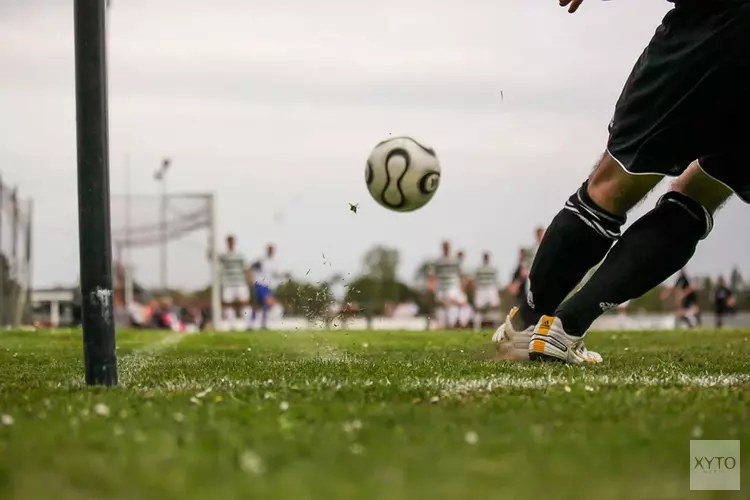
{"x":427,"y":150}
{"x":429,"y":183}
{"x":407,"y":163}
{"x":369,"y":175}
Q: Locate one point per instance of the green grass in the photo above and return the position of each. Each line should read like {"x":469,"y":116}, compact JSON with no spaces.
{"x":392,"y":416}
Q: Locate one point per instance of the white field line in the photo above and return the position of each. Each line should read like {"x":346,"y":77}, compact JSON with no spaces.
{"x":143,"y":357}
{"x":459,"y":386}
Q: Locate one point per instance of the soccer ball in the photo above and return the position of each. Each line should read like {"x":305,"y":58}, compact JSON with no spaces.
{"x":402,"y":174}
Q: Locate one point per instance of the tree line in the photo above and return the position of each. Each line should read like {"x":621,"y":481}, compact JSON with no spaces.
{"x":377,"y":287}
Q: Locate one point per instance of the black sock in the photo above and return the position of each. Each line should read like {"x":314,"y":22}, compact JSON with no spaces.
{"x":654,"y":248}
{"x":577,"y":239}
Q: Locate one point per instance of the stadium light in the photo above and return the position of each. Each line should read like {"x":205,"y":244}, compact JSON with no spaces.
{"x":161,"y":178}
{"x":94,"y":236}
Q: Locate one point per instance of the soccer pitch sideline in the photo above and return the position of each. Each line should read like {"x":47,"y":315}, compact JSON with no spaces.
{"x":365,"y":415}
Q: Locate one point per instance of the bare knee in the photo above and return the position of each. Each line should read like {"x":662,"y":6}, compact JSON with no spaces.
{"x":612,"y":188}
{"x":701,"y":187}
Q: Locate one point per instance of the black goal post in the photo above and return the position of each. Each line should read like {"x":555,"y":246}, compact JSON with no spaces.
{"x":94,"y":236}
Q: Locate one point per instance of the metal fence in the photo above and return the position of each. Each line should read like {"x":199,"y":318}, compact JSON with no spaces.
{"x":15,"y":256}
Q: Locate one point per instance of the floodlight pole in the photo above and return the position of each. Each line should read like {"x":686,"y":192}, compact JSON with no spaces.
{"x":161,"y":177}
{"x":94,"y":234}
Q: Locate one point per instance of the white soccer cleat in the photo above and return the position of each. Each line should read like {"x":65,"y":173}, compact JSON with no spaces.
{"x":549,"y":342}
{"x":511,"y":343}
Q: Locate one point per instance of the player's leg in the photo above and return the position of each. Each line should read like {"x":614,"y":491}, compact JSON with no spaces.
{"x":467,"y":315}
{"x":228,"y":300}
{"x":441,"y":309}
{"x":689,"y":317}
{"x":683,"y":316}
{"x":268,"y":304}
{"x":495,"y":307}
{"x":686,"y":96}
{"x":697,"y":316}
{"x":654,"y":248}
{"x":488,"y":303}
{"x":580,"y":236}
{"x":465,"y":311}
{"x":262,"y":292}
{"x":246,"y":311}
{"x":454,"y":308}
{"x":441,"y":315}
{"x":480,"y":308}
{"x":719,"y":316}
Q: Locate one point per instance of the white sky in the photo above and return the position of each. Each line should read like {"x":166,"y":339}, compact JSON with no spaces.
{"x":274,"y":106}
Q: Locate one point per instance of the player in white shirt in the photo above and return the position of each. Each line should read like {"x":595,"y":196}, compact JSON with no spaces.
{"x":449,"y":295}
{"x":235,"y":293}
{"x":266,"y":278}
{"x":486,"y":290}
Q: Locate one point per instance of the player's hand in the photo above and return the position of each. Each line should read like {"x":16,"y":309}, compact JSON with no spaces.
{"x":571,"y":4}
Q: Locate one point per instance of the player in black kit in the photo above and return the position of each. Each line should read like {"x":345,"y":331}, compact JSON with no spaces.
{"x":686,"y":295}
{"x":683,"y":112}
{"x":724,"y":301}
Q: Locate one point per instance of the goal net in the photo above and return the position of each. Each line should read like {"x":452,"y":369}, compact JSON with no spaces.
{"x":15,"y":257}
{"x":164,"y":253}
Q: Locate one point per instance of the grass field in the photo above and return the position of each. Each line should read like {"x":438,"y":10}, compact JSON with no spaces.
{"x":303,"y":415}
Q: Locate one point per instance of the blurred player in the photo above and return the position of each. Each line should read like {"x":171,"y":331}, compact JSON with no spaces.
{"x":519,"y":283}
{"x":682,"y":113}
{"x":449,"y":296}
{"x":266,"y":278}
{"x":686,"y":297}
{"x":486,"y":291}
{"x":518,"y":287}
{"x":235,"y":294}
{"x":724,"y":301}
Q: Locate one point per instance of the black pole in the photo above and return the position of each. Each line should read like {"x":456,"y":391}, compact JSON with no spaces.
{"x":93,"y":193}
{"x":163,"y":216}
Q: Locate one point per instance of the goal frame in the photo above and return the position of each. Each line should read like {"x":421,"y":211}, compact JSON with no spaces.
{"x":125,"y":242}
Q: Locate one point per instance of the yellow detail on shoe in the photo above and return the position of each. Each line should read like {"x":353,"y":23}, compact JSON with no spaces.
{"x":537,"y":346}
{"x":545,"y":324}
{"x":513,"y":312}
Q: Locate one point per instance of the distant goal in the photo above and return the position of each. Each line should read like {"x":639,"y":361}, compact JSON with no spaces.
{"x":165,"y":246}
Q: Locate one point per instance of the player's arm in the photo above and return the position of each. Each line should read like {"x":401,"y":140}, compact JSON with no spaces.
{"x":731,"y":300}
{"x":572,"y":5}
{"x":250,"y":272}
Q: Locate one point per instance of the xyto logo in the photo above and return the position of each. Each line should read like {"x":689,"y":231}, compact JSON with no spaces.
{"x":713,"y":465}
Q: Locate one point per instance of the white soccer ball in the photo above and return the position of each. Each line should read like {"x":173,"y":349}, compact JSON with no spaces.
{"x":402,"y":174}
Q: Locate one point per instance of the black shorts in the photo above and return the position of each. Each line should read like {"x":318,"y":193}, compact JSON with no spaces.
{"x":688,"y":96}
{"x":689,"y":301}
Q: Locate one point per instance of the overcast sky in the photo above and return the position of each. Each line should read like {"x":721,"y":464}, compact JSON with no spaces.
{"x":274,"y":106}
